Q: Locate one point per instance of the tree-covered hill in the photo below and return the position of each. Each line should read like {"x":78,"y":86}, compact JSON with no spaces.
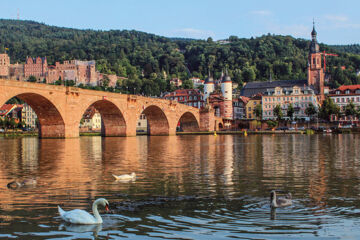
{"x":147,"y":60}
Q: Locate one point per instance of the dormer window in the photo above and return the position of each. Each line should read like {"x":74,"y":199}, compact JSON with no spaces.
{"x":347,"y":91}
{"x":337,"y":92}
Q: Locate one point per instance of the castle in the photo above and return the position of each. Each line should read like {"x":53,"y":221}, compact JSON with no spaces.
{"x":81,"y":72}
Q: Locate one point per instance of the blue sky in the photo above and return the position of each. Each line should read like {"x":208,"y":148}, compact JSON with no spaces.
{"x":337,"y":22}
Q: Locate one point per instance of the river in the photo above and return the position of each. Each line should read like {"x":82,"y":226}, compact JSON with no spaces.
{"x":187,"y":187}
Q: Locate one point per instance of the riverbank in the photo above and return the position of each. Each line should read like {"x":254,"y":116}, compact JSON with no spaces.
{"x":264,"y":132}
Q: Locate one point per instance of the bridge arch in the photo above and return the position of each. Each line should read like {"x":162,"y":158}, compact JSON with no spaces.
{"x":157,"y":120}
{"x":188,"y":123}
{"x":51,"y":122}
{"x":113,"y":121}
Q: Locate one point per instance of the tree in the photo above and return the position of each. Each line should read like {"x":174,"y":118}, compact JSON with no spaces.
{"x":328,"y":108}
{"x":32,"y":79}
{"x":271,"y":124}
{"x":258,"y":111}
{"x":290,"y":111}
{"x":278,"y":112}
{"x":310,"y":110}
{"x":350,"y":109}
{"x":248,"y":75}
{"x":188,"y":84}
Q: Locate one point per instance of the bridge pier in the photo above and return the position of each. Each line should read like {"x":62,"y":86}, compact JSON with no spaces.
{"x":52,"y":131}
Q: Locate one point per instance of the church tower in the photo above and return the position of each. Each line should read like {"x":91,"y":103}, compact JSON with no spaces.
{"x":316,"y":73}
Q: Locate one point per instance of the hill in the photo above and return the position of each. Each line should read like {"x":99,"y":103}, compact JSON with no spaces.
{"x":147,"y":58}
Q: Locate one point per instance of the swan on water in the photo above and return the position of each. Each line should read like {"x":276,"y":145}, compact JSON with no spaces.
{"x":78,"y":216}
{"x":276,"y":202}
{"x":125,"y":177}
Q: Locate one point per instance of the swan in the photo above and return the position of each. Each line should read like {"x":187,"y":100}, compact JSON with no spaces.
{"x":78,"y":216}
{"x":276,"y":202}
{"x":126,"y":177}
{"x":25,"y":182}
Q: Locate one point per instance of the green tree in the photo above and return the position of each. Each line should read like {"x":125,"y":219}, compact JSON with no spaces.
{"x":248,"y":74}
{"x":278,"y":112}
{"x":290,"y":111}
{"x":32,"y":79}
{"x":328,"y":108}
{"x":350,"y":109}
{"x":310,"y":110}
{"x":271,"y":124}
{"x":258,"y":111}
{"x":188,"y":84}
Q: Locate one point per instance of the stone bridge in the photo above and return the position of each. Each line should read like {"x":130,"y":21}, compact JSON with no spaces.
{"x":60,"y":109}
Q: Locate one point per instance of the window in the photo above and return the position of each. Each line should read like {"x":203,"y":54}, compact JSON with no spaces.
{"x":347,"y":91}
{"x":337,"y":92}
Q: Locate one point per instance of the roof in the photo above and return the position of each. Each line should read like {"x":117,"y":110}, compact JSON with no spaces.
{"x":348,"y":87}
{"x":183,"y":92}
{"x":252,"y":88}
{"x":6,"y":108}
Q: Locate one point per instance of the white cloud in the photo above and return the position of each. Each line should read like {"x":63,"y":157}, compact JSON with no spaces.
{"x":193,"y":33}
{"x":340,"y":21}
{"x":337,"y":18}
{"x":261,"y":13}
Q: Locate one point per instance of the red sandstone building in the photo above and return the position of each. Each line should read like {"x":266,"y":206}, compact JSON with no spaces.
{"x":36,"y":67}
{"x":4,"y":65}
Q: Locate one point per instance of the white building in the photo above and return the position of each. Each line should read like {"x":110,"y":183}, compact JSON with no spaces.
{"x":29,"y":116}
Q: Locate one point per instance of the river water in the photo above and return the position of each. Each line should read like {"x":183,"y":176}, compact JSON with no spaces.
{"x":187,"y":187}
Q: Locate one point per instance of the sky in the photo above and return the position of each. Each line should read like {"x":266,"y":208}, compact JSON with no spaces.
{"x":336,"y":21}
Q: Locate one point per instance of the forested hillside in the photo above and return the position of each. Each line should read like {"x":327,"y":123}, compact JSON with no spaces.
{"x":149,"y":60}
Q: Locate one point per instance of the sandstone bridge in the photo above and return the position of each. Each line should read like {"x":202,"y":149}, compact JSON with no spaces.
{"x":60,"y":109}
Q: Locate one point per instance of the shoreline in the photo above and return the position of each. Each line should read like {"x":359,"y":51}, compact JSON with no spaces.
{"x":250,"y":132}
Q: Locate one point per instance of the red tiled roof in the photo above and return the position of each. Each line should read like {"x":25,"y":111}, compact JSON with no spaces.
{"x":6,"y":108}
{"x":182,"y":92}
{"x":348,"y":87}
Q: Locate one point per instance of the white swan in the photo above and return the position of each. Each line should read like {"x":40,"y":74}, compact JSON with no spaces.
{"x":125,"y":177}
{"x":276,"y":202}
{"x":78,"y":216}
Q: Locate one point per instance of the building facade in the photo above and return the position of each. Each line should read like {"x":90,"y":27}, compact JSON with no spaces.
{"x":190,"y":97}
{"x":36,"y":67}
{"x":298,"y":97}
{"x":239,"y":107}
{"x":4,"y":65}
{"x":343,"y":96}
{"x":251,"y":106}
{"x":29,"y":116}
{"x":91,"y":119}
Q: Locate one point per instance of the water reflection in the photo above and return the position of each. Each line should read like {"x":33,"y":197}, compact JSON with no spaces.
{"x":230,"y":176}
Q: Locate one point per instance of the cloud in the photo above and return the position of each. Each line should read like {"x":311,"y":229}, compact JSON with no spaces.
{"x":261,"y":13}
{"x":336,"y":18}
{"x":340,"y":21}
{"x":193,"y":33}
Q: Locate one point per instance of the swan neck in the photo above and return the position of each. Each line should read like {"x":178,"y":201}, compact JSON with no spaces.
{"x":97,"y":216}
